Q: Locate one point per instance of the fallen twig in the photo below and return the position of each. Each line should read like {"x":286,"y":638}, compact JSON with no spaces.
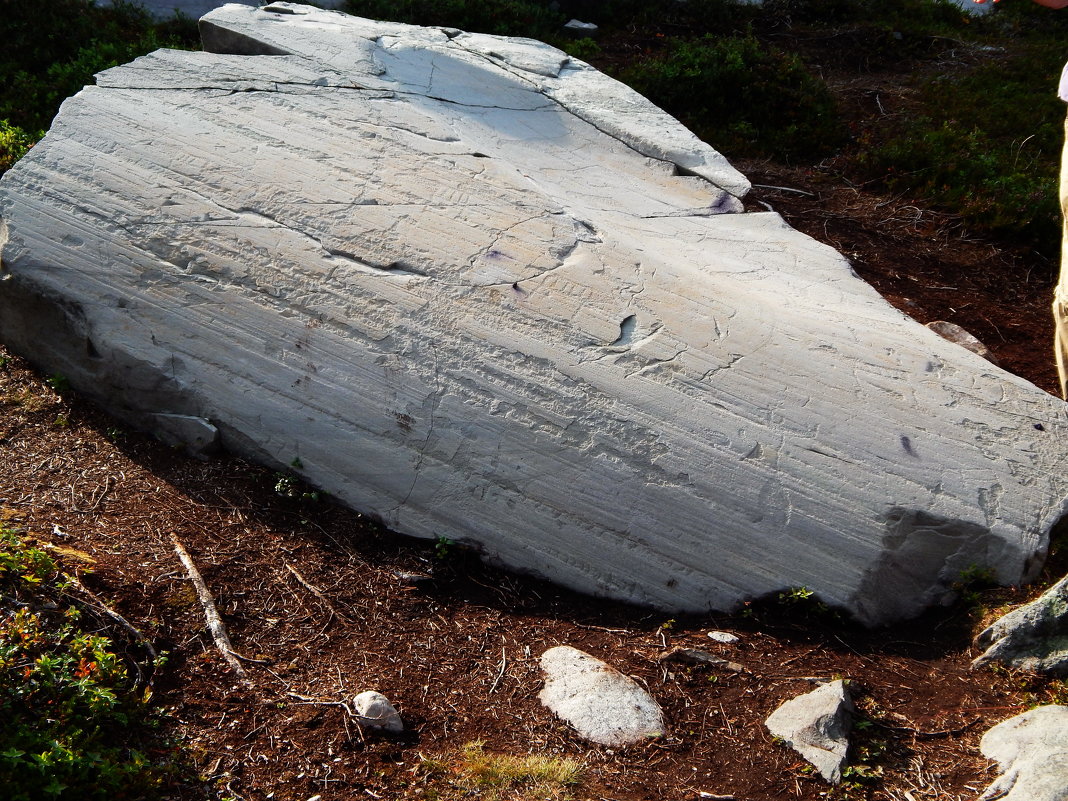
{"x":211,"y":614}
{"x":500,"y":673}
{"x":314,"y":591}
{"x":929,"y":734}
{"x":784,"y":189}
{"x":305,"y":700}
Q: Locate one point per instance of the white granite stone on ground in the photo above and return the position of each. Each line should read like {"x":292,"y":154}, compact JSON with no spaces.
{"x":374,"y":711}
{"x":598,"y":701}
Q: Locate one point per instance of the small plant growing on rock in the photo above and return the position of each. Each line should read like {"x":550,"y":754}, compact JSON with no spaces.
{"x":443,"y":548}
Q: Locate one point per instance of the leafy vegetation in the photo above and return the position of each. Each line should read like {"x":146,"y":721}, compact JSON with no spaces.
{"x":748,"y":98}
{"x":970,"y":586}
{"x":505,"y":17}
{"x":75,"y":724}
{"x":985,"y":144}
{"x":14,"y":143}
{"x":51,"y":50}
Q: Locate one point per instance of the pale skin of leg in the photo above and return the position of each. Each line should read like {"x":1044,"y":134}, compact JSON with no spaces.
{"x":1060,"y":292}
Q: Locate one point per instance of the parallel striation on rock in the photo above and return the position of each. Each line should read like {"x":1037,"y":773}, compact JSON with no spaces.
{"x":482,"y":291}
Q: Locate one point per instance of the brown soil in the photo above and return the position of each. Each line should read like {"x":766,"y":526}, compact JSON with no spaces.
{"x":325,"y":604}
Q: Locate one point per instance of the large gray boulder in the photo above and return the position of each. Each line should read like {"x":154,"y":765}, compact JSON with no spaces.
{"x":482,"y":291}
{"x":168,"y":9}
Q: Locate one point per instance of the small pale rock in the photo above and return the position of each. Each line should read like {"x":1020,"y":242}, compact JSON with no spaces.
{"x":723,"y":637}
{"x":816,"y":725}
{"x":1031,"y":637}
{"x":198,"y":436}
{"x":973,"y":8}
{"x":954,"y":333}
{"x":1031,"y":750}
{"x":694,"y":656}
{"x":577,"y":28}
{"x":375,"y":712}
{"x":598,"y":701}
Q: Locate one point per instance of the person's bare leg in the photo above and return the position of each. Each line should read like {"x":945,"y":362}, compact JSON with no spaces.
{"x":1060,"y":293}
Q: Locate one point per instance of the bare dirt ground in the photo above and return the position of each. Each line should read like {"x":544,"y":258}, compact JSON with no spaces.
{"x":324,"y":604}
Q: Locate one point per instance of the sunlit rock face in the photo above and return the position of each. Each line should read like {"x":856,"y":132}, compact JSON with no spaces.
{"x":474,"y":287}
{"x":192,"y":9}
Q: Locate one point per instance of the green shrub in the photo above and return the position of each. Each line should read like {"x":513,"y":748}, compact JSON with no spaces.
{"x":985,"y":146}
{"x":51,"y":50}
{"x":723,"y":17}
{"x":742,"y":97}
{"x":583,"y":49}
{"x":71,"y":716}
{"x":504,"y":17}
{"x":14,"y":143}
{"x":911,"y":15}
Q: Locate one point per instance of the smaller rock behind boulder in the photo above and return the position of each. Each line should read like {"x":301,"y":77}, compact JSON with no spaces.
{"x":1031,"y":637}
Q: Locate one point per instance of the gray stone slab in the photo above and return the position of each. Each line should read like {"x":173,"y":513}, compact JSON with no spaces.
{"x":1031,"y":637}
{"x":817,"y":726}
{"x":194,"y":9}
{"x":481,"y":291}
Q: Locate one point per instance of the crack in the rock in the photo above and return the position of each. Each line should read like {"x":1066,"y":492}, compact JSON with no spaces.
{"x":492,"y":246}
{"x":576,"y":112}
{"x":435,"y":403}
{"x":656,"y":363}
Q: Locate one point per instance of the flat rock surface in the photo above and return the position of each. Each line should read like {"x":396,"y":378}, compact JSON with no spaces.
{"x":167,"y":9}
{"x":481,"y":291}
{"x":1031,"y":750}
{"x":598,"y":701}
